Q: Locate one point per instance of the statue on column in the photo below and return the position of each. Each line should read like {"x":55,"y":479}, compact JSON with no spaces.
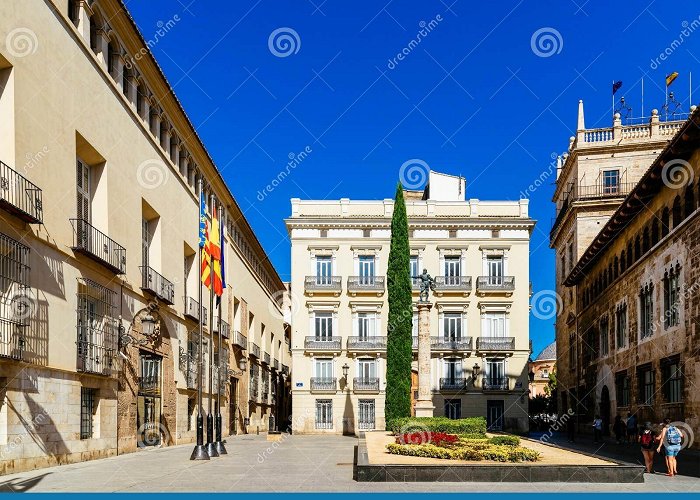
{"x":427,"y":283}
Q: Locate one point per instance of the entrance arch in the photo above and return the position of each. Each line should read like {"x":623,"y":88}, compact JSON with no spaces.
{"x":605,"y":409}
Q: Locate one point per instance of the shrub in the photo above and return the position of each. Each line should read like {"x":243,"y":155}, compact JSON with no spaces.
{"x":520,"y":454}
{"x":472,"y":450}
{"x":505,"y":440}
{"x":436,"y":438}
{"x":421,"y":450}
{"x":475,"y":426}
{"x":496,"y":453}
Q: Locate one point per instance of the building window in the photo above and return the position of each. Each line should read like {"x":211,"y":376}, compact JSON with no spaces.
{"x":572,"y":351}
{"x":87,"y":409}
{"x":452,"y":327}
{"x":671,"y":297}
{"x":646,"y":311}
{"x":621,"y":326}
{"x":672,"y":380}
{"x":415,"y":269}
{"x":622,"y":389}
{"x":366,"y":325}
{"x":96,"y":328}
{"x":366,"y":269}
{"x":324,"y":414}
{"x":14,"y":296}
{"x":494,"y":324}
{"x":324,"y":270}
{"x":453,"y":408}
{"x":604,"y":337}
{"x":645,"y":377}
{"x":323,"y":325}
{"x":453,"y":270}
{"x":366,"y":412}
{"x":494,"y":267}
{"x":611,"y":181}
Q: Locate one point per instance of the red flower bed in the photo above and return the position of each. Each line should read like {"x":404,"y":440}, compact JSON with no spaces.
{"x":436,"y":438}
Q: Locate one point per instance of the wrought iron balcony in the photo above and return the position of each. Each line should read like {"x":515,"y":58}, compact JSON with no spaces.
{"x":19,"y":196}
{"x":331,"y":284}
{"x":322,"y":343}
{"x":253,"y":389}
{"x":451,"y":343}
{"x":285,"y":370}
{"x":365,"y":384}
{"x":254,"y":350}
{"x":373,"y":284}
{"x":149,"y":386}
{"x":225,"y":328}
{"x":453,"y":384}
{"x":93,"y":243}
{"x":97,"y":358}
{"x":453,"y":284}
{"x":323,"y":384}
{"x":266,"y":358}
{"x":367,"y":343}
{"x":16,"y":301}
{"x":495,"y":284}
{"x":12,"y":340}
{"x":500,"y":344}
{"x":240,"y":340}
{"x":192,"y":310}
{"x":154,"y":282}
{"x":276,"y":364}
{"x":495,"y":384}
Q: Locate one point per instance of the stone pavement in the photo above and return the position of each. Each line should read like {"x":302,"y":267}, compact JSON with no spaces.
{"x":297,"y":463}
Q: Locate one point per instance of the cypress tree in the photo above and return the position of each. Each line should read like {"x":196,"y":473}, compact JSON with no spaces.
{"x":399,"y":351}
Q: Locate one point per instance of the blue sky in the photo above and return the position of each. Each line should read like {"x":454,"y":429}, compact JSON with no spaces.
{"x":490,"y":93}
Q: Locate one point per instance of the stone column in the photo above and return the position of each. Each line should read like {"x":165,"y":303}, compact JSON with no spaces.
{"x":424,"y":403}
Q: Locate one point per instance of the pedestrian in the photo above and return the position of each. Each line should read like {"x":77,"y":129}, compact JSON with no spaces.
{"x":597,"y":428}
{"x":647,"y":440}
{"x":671,"y":439}
{"x":618,"y":429}
{"x":632,"y":429}
{"x":570,"y":428}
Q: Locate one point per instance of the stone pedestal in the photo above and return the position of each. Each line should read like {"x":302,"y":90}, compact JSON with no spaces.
{"x":424,"y":402}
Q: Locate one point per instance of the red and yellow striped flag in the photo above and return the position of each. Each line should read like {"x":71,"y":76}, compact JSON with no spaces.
{"x":215,"y":254}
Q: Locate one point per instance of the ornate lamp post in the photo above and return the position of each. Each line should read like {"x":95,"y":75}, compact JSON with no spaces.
{"x":150,"y":328}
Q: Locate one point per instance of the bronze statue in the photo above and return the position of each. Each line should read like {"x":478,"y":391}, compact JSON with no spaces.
{"x":427,"y":283}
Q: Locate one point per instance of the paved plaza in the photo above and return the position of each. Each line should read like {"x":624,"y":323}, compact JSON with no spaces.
{"x":297,"y":463}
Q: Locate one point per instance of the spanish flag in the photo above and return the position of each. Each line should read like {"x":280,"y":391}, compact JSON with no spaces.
{"x":215,"y":254}
{"x":671,"y":77}
{"x":205,"y":269}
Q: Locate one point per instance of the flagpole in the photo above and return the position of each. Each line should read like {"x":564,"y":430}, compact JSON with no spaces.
{"x":642,"y":97}
{"x":211,"y":447}
{"x":219,"y":443}
{"x":690,"y":83}
{"x":200,"y":452}
{"x":613,"y":99}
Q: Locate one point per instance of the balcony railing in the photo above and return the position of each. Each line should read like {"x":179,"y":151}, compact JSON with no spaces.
{"x":285,"y":370}
{"x":93,"y":243}
{"x":149,"y":386}
{"x":365,"y":384}
{"x":266,"y":358}
{"x":19,"y":196}
{"x":323,"y":284}
{"x":276,"y":364}
{"x":225,"y":328}
{"x":453,"y":283}
{"x":192,"y":310}
{"x":367,"y":343}
{"x":254,"y":350}
{"x":240,"y":340}
{"x":157,"y":284}
{"x":97,"y":358}
{"x":451,"y":343}
{"x":496,"y":283}
{"x":323,"y":384}
{"x":12,"y":339}
{"x":495,"y":344}
{"x":588,"y":192}
{"x":322,"y":343}
{"x":366,"y":283}
{"x":253,"y":390}
{"x":495,"y":384}
{"x":453,"y":384}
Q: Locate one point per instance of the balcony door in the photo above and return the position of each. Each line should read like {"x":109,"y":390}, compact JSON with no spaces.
{"x":83,"y":212}
{"x":324,"y":270}
{"x":495,"y":372}
{"x":452,"y":327}
{"x":453,"y":408}
{"x":366,"y":325}
{"x":494,"y":268}
{"x":366,"y":270}
{"x":611,"y":181}
{"x":453,"y":371}
{"x":494,"y":415}
{"x":324,"y":326}
{"x":453,"y":270}
{"x":367,"y":369}
{"x":324,"y":369}
{"x":149,"y":402}
{"x":90,"y":335}
{"x":495,"y":325}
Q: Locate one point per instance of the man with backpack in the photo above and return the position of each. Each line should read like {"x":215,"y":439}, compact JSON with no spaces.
{"x":671,"y":438}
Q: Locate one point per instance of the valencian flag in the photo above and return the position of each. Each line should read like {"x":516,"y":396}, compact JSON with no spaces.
{"x":616,"y":86}
{"x":215,"y":254}
{"x":671,"y":77}
{"x":204,"y":242}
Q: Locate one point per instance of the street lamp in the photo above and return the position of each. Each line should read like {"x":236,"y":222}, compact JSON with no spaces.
{"x":346,"y":368}
{"x":149,"y":329}
{"x":242,"y":363}
{"x":475,"y":370}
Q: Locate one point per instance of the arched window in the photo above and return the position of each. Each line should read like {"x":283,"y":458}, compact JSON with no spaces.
{"x":665,"y":222}
{"x":677,"y":215}
{"x":645,"y":240}
{"x":173,"y":147}
{"x":141,"y":99}
{"x":112,"y":58}
{"x":689,"y":200}
{"x":637,"y":249}
{"x":630,"y":255}
{"x":163,"y":131}
{"x":616,"y":263}
{"x":622,"y":262}
{"x":73,"y":11}
{"x":654,"y":231}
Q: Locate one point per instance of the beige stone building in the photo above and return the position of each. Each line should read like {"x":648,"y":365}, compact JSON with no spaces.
{"x":544,"y":365}
{"x":98,"y":248}
{"x":626,"y":241}
{"x":478,"y":252}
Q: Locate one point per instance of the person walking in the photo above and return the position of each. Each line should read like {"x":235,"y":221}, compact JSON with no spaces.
{"x":632,"y":429}
{"x":597,"y":428}
{"x":671,"y":439}
{"x":618,"y":429}
{"x":647,"y":440}
{"x":571,"y":430}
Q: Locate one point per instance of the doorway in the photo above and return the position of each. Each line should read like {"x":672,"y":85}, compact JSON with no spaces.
{"x":494,"y":414}
{"x":149,"y":402}
{"x":233,"y":407}
{"x":605,"y":410}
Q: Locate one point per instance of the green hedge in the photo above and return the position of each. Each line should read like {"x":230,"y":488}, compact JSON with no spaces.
{"x":495,"y":453}
{"x":505,"y":440}
{"x":474,"y":427}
